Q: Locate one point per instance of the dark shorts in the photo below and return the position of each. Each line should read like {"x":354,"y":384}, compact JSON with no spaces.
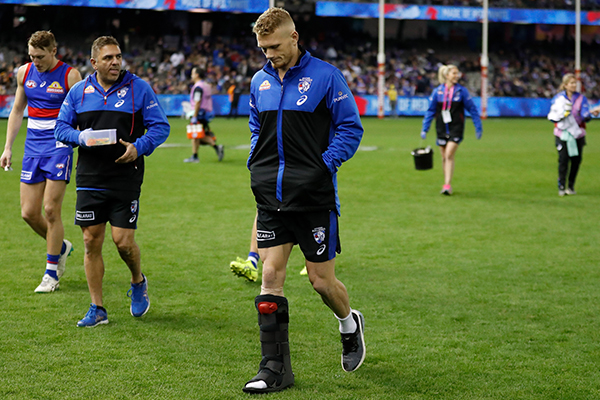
{"x":443,"y":140}
{"x":316,"y":232}
{"x":53,"y":168}
{"x":96,"y":207}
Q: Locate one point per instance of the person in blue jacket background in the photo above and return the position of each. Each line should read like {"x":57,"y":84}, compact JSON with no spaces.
{"x":304,"y":124}
{"x":109,"y":176}
{"x":447,"y":104}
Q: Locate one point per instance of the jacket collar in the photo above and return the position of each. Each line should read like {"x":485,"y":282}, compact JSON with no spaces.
{"x":125,"y":77}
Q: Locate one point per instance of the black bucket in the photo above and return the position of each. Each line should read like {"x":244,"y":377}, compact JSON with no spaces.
{"x":423,"y":158}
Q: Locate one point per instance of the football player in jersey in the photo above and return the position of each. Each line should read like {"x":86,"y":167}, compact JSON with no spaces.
{"x":43,"y":84}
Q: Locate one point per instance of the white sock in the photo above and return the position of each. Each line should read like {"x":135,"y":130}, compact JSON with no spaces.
{"x":253,"y":260}
{"x":348,"y":324}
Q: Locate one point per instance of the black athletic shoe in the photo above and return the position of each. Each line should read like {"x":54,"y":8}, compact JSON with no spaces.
{"x":353,"y":352}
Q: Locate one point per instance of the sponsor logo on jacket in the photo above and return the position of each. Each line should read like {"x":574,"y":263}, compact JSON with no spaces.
{"x":304,"y":85}
{"x":89,"y":89}
{"x":341,"y":96}
{"x":265,"y":85}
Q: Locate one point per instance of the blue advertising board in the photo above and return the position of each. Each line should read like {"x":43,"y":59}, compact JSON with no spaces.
{"x":450,"y":13}
{"x":406,"y":106}
{"x":246,"y":6}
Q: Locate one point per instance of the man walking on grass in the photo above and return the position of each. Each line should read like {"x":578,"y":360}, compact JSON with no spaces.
{"x":304,"y":124}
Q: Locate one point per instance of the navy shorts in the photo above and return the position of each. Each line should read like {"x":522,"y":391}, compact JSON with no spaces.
{"x":316,"y":232}
{"x":96,"y":207}
{"x":442,"y":141}
{"x":53,"y":168}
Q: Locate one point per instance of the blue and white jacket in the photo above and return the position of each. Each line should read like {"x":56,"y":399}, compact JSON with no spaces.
{"x":303,"y":129}
{"x":130,"y":106}
{"x":456,"y":100}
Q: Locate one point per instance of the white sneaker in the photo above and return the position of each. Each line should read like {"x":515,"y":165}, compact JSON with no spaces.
{"x":62,"y":260}
{"x":48,"y":285}
{"x":570,"y":192}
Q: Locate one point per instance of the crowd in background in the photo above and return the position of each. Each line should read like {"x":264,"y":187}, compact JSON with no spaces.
{"x":528,"y":72}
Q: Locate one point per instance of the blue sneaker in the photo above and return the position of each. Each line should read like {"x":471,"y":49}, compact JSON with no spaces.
{"x":140,"y":303}
{"x":93,"y":317}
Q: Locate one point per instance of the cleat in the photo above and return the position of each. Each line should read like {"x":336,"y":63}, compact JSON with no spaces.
{"x":192,"y":159}
{"x":446,"y":190}
{"x":220,"y":152}
{"x":62,"y":261}
{"x":48,"y":285}
{"x":353,"y":353}
{"x":140,"y":303}
{"x":570,"y":192}
{"x":244,"y":269}
{"x":304,"y":271}
{"x":93,"y":317}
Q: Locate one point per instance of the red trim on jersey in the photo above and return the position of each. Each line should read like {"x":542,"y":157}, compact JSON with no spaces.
{"x":26,"y":73}
{"x":58,"y":64}
{"x":67,"y":79}
{"x":43,"y":112}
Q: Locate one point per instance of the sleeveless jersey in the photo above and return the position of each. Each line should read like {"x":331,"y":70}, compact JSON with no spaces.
{"x":45,"y":93}
{"x":206,"y":103}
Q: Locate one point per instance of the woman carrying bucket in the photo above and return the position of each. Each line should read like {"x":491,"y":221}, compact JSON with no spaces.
{"x":569,"y":112}
{"x":447,"y":104}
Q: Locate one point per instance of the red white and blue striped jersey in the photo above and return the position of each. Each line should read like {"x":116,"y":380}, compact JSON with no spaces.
{"x":45,"y":92}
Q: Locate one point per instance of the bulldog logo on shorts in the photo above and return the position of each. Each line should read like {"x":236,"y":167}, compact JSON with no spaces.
{"x":319,"y":234}
{"x":134,"y":206}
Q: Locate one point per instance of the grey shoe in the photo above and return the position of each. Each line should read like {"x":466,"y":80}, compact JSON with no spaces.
{"x":561,"y":191}
{"x":192,"y":159}
{"x":353,"y":352}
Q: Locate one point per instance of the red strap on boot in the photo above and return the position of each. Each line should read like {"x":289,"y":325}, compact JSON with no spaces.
{"x":267,"y":307}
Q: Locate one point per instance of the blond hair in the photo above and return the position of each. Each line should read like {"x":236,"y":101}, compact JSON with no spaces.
{"x":101,"y":42}
{"x":443,"y":72}
{"x":565,"y":79}
{"x":43,"y":40}
{"x":271,"y":20}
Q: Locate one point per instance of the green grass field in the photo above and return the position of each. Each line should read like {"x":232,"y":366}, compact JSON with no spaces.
{"x":492,"y":293}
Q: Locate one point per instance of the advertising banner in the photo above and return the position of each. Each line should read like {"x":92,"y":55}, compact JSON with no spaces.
{"x":246,"y":6}
{"x":178,"y":105}
{"x":451,"y":13}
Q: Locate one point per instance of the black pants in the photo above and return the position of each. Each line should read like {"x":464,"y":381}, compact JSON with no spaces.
{"x":563,"y":162}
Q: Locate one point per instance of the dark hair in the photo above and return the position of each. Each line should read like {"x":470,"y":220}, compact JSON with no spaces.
{"x":200,"y":71}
